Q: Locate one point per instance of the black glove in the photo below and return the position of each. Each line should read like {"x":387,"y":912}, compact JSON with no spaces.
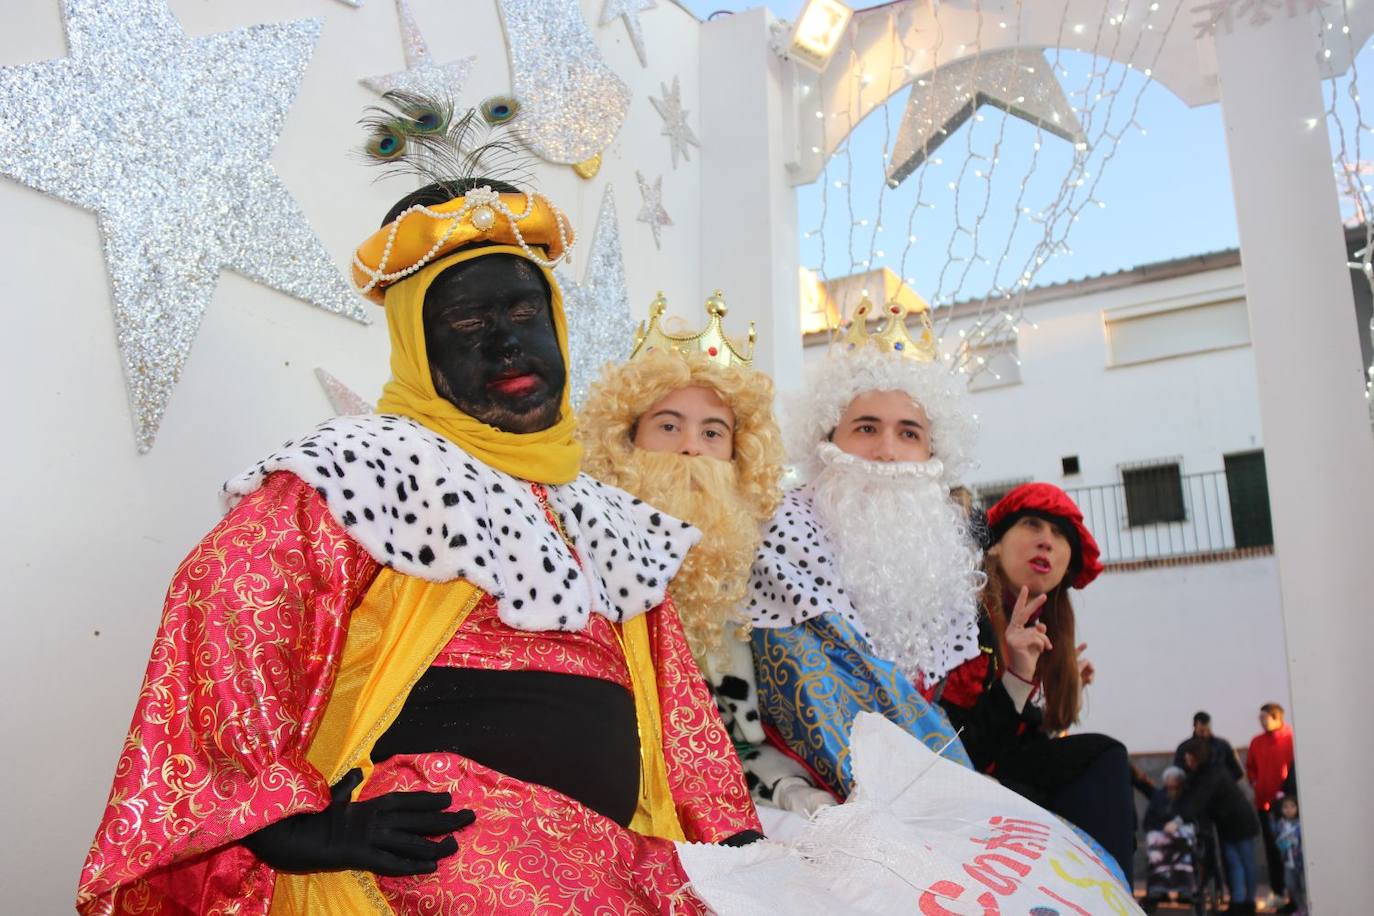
{"x":743,"y":838}
{"x":385,"y":835}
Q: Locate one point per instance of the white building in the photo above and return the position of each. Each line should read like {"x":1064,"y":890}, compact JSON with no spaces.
{"x":1137,"y":392}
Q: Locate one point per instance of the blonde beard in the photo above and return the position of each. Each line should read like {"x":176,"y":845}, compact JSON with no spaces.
{"x":710,"y":586}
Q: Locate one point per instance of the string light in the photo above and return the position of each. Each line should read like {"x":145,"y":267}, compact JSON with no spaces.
{"x":993,"y":318}
{"x":1349,"y":164}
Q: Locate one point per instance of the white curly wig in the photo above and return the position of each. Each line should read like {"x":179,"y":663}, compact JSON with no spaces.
{"x":832,"y":384}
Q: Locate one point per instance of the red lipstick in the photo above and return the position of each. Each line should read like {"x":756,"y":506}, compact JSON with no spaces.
{"x":514,"y":384}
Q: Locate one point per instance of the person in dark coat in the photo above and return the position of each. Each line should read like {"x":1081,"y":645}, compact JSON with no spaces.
{"x":1223,"y":755}
{"x":1163,"y":806}
{"x":1211,"y":794}
{"x":1171,"y":846}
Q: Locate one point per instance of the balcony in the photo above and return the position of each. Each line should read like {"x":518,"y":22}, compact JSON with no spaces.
{"x":1161,"y":518}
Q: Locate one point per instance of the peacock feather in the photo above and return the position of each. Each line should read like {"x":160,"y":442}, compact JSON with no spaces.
{"x":425,"y":138}
{"x":387,"y":141}
{"x":500,"y":109}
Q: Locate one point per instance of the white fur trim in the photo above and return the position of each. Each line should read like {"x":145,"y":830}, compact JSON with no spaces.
{"x":418,"y":503}
{"x":794,"y":574}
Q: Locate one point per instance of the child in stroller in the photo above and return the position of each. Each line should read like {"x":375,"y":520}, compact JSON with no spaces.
{"x":1178,"y":854}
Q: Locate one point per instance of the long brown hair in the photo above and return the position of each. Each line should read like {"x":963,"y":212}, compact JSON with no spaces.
{"x":1057,"y":670}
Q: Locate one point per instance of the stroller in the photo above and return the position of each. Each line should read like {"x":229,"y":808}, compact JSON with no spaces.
{"x":1182,"y":867}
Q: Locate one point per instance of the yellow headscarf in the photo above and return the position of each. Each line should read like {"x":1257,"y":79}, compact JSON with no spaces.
{"x":549,"y":456}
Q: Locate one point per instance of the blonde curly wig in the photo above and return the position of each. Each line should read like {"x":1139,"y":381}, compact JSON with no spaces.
{"x":711,"y":585}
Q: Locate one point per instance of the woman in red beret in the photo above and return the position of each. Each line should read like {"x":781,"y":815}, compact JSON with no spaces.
{"x":1011,"y":703}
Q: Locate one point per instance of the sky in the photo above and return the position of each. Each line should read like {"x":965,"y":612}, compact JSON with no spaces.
{"x":1165,"y":193}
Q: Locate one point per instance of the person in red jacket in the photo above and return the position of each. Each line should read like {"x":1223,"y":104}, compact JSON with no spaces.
{"x":1268,"y":767}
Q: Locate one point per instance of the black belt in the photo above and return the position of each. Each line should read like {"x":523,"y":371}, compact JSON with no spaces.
{"x":576,"y":734}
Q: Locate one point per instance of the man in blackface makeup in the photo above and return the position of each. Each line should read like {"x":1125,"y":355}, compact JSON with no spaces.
{"x":424,"y":664}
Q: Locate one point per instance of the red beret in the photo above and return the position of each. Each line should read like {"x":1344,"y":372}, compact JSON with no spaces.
{"x":1045,"y":499}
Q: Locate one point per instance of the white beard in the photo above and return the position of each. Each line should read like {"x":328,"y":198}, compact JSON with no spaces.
{"x":904,"y":556}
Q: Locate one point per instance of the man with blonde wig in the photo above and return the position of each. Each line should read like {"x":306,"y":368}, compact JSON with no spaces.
{"x":687,"y":425}
{"x":866,"y":583}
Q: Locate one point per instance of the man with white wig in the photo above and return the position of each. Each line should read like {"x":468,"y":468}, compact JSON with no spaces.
{"x":866,"y":583}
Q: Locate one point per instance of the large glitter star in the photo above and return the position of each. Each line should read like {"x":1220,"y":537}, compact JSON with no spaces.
{"x":421,"y":75}
{"x":167,"y":139}
{"x":629,"y":10}
{"x":1019,"y":82}
{"x":571,"y":103}
{"x":652,"y":211}
{"x":600,"y":329}
{"x":675,"y":126}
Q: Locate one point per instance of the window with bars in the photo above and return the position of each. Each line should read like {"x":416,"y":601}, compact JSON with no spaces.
{"x":1154,"y":494}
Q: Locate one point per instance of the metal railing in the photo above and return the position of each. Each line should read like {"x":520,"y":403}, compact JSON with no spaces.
{"x":1211,"y":518}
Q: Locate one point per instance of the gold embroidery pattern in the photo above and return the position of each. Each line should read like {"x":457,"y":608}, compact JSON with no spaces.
{"x":487,"y":642}
{"x":704,"y":772}
{"x":813,"y":682}
{"x":531,"y":850}
{"x":252,"y":629}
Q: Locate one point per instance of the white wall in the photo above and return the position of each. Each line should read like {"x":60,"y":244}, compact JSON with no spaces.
{"x":1199,"y":406}
{"x":94,"y":530}
{"x":1167,"y":642}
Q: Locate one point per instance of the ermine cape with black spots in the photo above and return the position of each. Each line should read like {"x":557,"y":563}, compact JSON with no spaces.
{"x":419,"y":504}
{"x":795,"y":578}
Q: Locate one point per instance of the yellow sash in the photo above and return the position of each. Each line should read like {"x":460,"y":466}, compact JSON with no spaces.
{"x":393,"y":637}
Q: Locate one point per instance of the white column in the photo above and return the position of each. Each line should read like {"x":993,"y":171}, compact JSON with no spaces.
{"x":749,"y":244}
{"x":1317,"y":441}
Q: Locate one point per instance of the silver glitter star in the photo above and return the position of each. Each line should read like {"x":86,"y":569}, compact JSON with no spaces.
{"x":600,"y":328}
{"x":571,"y":103}
{"x":167,"y":139}
{"x":1019,"y":82}
{"x":629,"y":10}
{"x":421,"y":75}
{"x":344,"y":401}
{"x":675,"y":126}
{"x":652,"y":212}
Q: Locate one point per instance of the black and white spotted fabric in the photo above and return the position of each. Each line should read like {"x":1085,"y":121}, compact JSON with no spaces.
{"x":418,"y":503}
{"x":794,"y":576}
{"x":735,"y":686}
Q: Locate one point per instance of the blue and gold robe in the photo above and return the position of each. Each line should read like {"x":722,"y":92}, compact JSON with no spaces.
{"x":816,"y":676}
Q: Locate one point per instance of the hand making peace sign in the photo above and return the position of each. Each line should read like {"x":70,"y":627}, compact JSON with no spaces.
{"x":1026,"y":641}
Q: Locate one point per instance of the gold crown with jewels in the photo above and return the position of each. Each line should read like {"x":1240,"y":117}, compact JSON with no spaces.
{"x":710,"y":340}
{"x":894,"y":336}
